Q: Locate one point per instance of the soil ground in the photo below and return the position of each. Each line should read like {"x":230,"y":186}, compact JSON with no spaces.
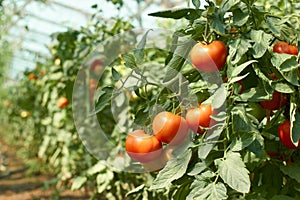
{"x":16,"y":184}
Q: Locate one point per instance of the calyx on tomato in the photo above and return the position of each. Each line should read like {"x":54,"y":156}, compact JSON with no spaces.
{"x":209,"y":57}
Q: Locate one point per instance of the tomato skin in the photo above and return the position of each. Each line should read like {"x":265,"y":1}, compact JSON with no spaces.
{"x":169,"y":128}
{"x":284,"y":135}
{"x":143,"y":147}
{"x":62,"y":102}
{"x":200,"y":116}
{"x":278,"y":100}
{"x":209,"y":57}
{"x":283,"y":47}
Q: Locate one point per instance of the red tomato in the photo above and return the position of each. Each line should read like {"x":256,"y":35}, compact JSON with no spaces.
{"x":209,"y":57}
{"x":283,"y":47}
{"x":169,"y":128}
{"x":97,"y":66}
{"x":284,"y":135}
{"x":62,"y":102}
{"x":143,"y":147}
{"x":200,"y":116}
{"x":278,"y":100}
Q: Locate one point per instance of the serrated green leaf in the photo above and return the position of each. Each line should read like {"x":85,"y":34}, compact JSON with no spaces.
{"x":226,"y":5}
{"x":174,"y":169}
{"x":211,"y":191}
{"x":217,"y":22}
{"x":238,"y":48}
{"x":261,"y":42}
{"x":234,"y":172}
{"x":78,"y":182}
{"x":129,"y":61}
{"x":240,"y":17}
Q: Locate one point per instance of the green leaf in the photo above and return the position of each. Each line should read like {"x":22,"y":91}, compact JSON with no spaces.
{"x":226,"y":5}
{"x":210,"y":191}
{"x":115,"y":74}
{"x":98,"y":167}
{"x":219,"y":97}
{"x":129,"y":60}
{"x":238,"y":48}
{"x":139,"y":51}
{"x":283,"y":86}
{"x":196,"y":3}
{"x":104,"y":98}
{"x":292,"y":171}
{"x":254,"y":95}
{"x":240,"y":17}
{"x":200,"y":167}
{"x":261,"y":42}
{"x":234,"y":172}
{"x":103,"y":181}
{"x":217,"y":22}
{"x":237,"y":70}
{"x":177,"y":13}
{"x":295,"y":123}
{"x":136,"y":190}
{"x":242,"y":140}
{"x":174,"y":169}
{"x":287,"y":65}
{"x":78,"y":182}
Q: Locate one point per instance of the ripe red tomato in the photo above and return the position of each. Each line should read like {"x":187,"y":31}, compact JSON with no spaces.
{"x":284,"y":135}
{"x":169,"y":128}
{"x":278,"y":100}
{"x":200,"y":116}
{"x":283,"y":47}
{"x":209,"y":57}
{"x":62,"y":102}
{"x":143,"y":147}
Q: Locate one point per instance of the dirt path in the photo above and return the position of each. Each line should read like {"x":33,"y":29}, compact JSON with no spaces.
{"x":15,"y":184}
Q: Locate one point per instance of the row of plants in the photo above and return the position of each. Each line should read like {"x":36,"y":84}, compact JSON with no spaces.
{"x":209,"y":111}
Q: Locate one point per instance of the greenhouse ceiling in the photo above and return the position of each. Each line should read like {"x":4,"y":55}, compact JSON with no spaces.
{"x":31,"y":23}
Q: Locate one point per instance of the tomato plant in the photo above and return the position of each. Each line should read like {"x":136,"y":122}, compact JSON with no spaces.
{"x":209,"y":57}
{"x":169,"y":128}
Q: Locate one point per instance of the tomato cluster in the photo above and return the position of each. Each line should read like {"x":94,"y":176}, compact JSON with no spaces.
{"x":170,"y":129}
